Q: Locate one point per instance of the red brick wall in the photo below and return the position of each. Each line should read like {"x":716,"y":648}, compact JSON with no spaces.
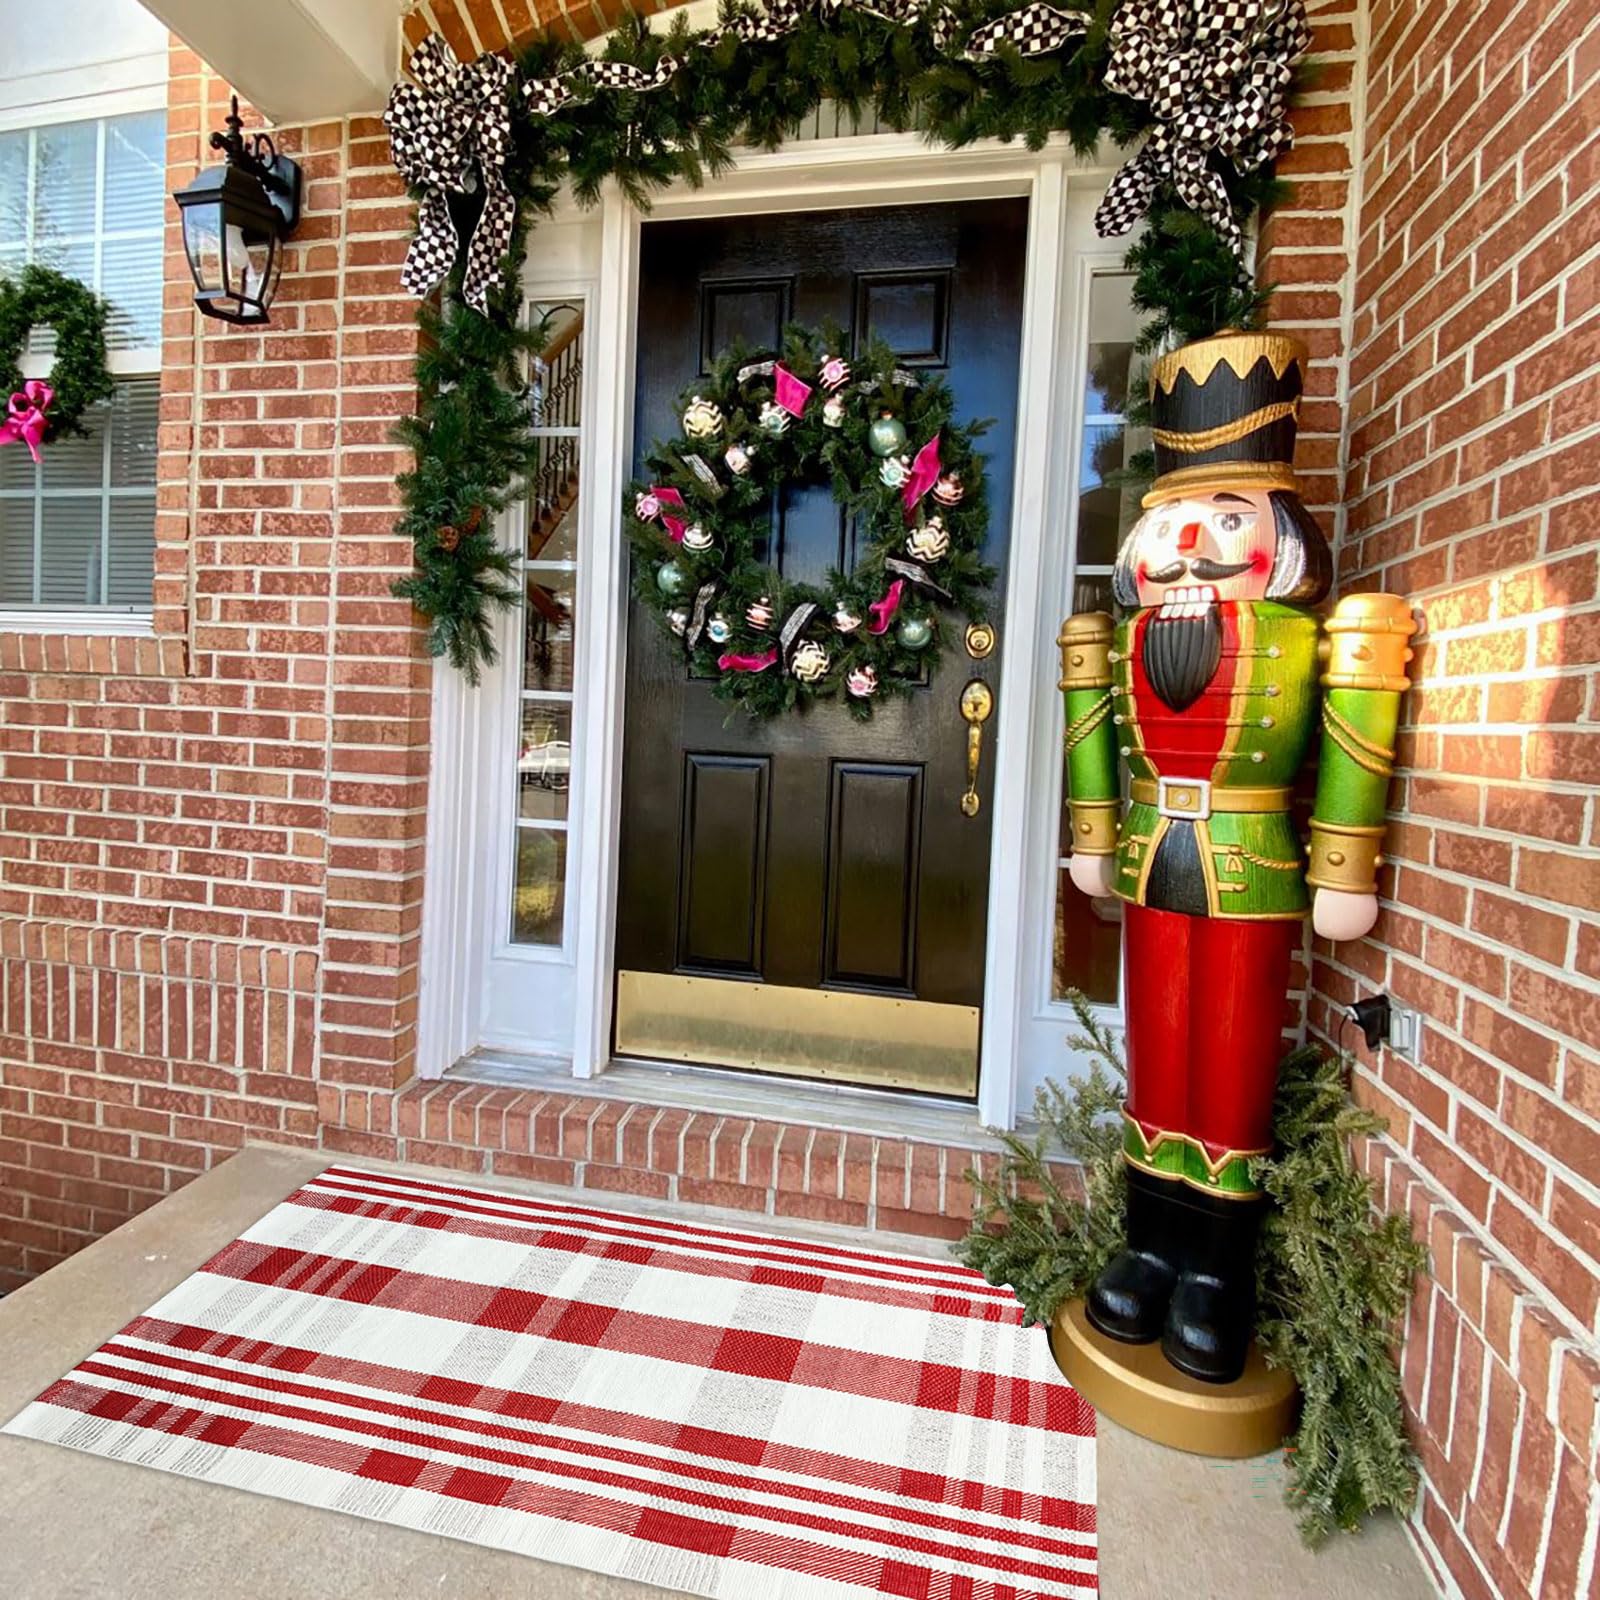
{"x":212,"y":839}
{"x":1473,"y":483}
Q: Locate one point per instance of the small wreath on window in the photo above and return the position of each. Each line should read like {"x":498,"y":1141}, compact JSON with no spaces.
{"x":882,"y":437}
{"x":38,"y":410}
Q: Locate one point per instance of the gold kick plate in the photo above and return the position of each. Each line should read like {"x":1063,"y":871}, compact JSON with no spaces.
{"x":837,"y":1034}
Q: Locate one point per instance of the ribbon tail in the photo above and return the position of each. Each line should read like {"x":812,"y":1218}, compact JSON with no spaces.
{"x":489,"y":243}
{"x":1127,"y":197}
{"x":433,"y":249}
{"x":1204,"y":192}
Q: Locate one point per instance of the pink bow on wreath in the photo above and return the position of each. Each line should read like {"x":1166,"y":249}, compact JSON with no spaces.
{"x":747,"y":663}
{"x":883,"y":610}
{"x":25,"y":419}
{"x":925,"y":472}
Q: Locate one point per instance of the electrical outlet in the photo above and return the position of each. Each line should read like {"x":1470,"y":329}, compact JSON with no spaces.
{"x":1405,"y":1032}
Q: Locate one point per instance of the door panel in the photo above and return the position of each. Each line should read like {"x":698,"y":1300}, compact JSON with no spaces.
{"x":814,"y":854}
{"x":724,"y":864}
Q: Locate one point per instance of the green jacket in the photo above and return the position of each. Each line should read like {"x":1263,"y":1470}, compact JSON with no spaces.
{"x":1208,"y":827}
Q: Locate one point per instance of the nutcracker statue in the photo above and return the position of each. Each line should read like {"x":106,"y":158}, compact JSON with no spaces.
{"x":1207,"y":692}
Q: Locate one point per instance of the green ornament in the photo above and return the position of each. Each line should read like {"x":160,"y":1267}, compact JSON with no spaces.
{"x":671,"y":579}
{"x":887,"y":436}
{"x":915,"y":633}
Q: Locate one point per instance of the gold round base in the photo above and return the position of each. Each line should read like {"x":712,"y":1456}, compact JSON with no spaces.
{"x":1135,"y":1385}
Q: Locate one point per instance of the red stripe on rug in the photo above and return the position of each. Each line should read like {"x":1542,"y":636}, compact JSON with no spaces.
{"x":489,"y":1488}
{"x":954,"y":1280}
{"x":493,"y":1489}
{"x":959,"y":1276}
{"x":932,"y":1386}
{"x":1070,"y":1516}
{"x":666,"y":1254}
{"x":806,"y":1494}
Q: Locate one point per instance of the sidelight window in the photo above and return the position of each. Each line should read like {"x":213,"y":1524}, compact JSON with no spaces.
{"x":549,"y":577}
{"x":1088,"y":934}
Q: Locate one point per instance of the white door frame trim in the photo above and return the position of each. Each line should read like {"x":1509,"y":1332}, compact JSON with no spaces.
{"x":882,"y":169}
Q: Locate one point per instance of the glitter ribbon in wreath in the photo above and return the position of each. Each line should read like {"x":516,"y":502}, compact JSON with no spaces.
{"x":448,"y":131}
{"x":1216,"y":78}
{"x":25,"y":421}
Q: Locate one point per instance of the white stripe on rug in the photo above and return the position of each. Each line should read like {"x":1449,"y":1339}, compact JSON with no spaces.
{"x":742,"y":1416}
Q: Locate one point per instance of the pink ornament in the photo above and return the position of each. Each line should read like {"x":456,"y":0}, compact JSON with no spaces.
{"x":789,"y":391}
{"x":948,"y":490}
{"x":862,"y":682}
{"x":883,"y":610}
{"x":835,"y":373}
{"x":25,"y":419}
{"x":647,"y":506}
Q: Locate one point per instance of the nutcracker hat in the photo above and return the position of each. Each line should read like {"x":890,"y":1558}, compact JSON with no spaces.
{"x":1224,"y":413}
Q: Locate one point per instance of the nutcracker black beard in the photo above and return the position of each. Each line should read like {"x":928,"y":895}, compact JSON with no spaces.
{"x":1182,"y":654}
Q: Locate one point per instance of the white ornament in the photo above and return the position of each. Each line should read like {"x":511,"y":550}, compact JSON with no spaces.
{"x":738,"y":458}
{"x":833,"y":412}
{"x":862,"y":683}
{"x":696,"y":538}
{"x":774,"y":419}
{"x":846,"y":620}
{"x":646,"y":507}
{"x":835,"y":373}
{"x":810,"y":661}
{"x":702,"y":419}
{"x":948,"y":490}
{"x":894,"y":470}
{"x":759,"y":614}
{"x":678,"y":621}
{"x":930,"y":542}
{"x":719,"y":630}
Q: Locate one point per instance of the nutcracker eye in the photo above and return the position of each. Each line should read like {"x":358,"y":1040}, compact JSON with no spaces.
{"x":1230,"y":522}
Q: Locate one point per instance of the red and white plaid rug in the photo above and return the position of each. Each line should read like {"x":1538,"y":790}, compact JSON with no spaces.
{"x":734,"y":1414}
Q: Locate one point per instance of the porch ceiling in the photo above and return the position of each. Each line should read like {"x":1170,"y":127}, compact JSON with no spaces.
{"x":296,"y":61}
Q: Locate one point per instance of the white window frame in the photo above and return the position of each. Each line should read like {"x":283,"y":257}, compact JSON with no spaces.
{"x":143,"y":361}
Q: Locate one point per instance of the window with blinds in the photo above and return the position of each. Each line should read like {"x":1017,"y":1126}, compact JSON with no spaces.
{"x":87,"y":199}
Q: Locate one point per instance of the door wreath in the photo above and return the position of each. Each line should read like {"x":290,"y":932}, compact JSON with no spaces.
{"x":882,"y":437}
{"x":39,"y":410}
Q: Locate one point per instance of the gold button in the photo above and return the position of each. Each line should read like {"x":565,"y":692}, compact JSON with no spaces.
{"x":1336,"y":858}
{"x":1084,"y":827}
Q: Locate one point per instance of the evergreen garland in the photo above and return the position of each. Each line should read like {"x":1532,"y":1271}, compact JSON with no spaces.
{"x":41,"y":297}
{"x":1333,"y":1279}
{"x":733,"y":512}
{"x":470,"y":433}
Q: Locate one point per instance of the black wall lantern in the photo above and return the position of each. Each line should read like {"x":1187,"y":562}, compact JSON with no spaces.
{"x":235,"y":219}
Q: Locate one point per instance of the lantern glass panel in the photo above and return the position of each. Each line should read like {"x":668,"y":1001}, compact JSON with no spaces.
{"x":202,"y":243}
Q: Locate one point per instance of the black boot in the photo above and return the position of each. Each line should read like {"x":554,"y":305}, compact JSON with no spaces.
{"x":1212,"y":1310}
{"x":1128,"y":1301}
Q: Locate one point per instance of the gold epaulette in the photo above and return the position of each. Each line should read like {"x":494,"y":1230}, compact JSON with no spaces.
{"x":1367,"y":644}
{"x":1085,"y":642}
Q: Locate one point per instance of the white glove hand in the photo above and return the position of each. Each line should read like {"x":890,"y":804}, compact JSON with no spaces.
{"x":1337,"y":914}
{"x":1092,"y":874}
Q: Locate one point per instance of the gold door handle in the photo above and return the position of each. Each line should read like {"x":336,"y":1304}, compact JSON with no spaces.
{"x":977,"y":701}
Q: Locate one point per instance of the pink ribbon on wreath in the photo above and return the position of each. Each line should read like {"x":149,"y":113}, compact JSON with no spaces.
{"x":675,"y":526}
{"x":25,"y":417}
{"x":924,"y":474}
{"x":883,"y":610}
{"x":736,"y":663}
{"x":789,"y":391}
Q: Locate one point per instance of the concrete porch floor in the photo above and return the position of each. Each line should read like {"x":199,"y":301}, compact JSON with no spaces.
{"x":75,"y":1526}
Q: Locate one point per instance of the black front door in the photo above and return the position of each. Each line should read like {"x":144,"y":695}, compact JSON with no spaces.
{"x":807,"y":895}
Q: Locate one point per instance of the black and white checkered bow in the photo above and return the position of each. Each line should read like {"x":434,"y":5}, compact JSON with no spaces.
{"x":449,"y":131}
{"x":1215,"y":74}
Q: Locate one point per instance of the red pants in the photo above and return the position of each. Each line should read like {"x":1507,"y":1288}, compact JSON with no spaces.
{"x":1204,"y":1002}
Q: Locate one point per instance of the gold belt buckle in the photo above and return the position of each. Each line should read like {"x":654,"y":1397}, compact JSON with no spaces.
{"x":1184,"y":797}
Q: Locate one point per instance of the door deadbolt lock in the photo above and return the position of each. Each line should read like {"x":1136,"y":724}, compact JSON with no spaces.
{"x":977,"y":702}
